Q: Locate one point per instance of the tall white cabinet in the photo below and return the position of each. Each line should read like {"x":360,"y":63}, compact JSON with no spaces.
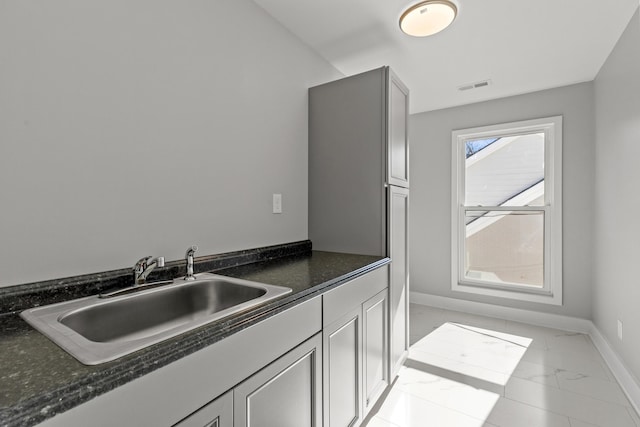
{"x":359,"y":182}
{"x":399,"y":276}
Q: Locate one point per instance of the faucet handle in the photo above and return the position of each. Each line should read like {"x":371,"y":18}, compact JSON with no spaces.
{"x":142,"y":263}
{"x":143,"y":268}
{"x":192,"y":250}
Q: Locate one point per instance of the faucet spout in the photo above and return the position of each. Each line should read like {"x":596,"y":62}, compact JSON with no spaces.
{"x":189,"y":257}
{"x":144,"y":267}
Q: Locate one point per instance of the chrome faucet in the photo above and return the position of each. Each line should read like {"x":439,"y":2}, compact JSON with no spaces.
{"x":144,"y":267}
{"x":189,"y":256}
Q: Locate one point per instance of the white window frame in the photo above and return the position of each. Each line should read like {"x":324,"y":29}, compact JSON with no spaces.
{"x":551,"y":293}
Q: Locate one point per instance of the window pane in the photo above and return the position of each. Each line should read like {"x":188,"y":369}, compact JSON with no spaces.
{"x":505,"y":247}
{"x":506,"y":171}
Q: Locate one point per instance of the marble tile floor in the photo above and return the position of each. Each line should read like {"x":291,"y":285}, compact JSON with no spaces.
{"x":468,"y":370}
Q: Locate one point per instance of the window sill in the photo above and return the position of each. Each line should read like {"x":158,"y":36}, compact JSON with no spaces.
{"x":551,"y":299}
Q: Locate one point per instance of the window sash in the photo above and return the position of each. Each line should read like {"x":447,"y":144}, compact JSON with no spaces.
{"x":521,"y":287}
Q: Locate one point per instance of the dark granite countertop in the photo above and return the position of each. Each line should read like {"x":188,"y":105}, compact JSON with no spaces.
{"x":39,"y":380}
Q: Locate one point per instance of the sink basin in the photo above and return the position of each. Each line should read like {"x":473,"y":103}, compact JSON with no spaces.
{"x":96,"y":330}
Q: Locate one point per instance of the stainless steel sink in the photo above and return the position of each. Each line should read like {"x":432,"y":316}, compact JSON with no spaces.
{"x":96,"y":330}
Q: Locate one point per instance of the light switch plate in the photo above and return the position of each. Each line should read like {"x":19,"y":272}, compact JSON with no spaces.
{"x":620,"y":330}
{"x":277,"y":203}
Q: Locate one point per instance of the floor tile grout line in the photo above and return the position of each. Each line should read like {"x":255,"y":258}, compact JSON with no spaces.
{"x":555,"y":368}
{"x":505,"y":354}
{"x":627,"y":405}
{"x":558,"y":370}
{"x":525,"y":379}
{"x":619,"y":406}
{"x":487,"y":335}
{"x":476,"y":380}
{"x":606,"y":377}
{"x":545,"y":343}
{"x":568,"y":417}
{"x":503,"y":394}
{"x":437,"y":404}
{"x":458,"y":361}
{"x":577,"y":394}
{"x":554,"y":376}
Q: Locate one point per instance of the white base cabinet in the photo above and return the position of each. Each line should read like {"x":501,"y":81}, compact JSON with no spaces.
{"x":337,"y":375}
{"x":375,"y":354}
{"x":287,"y":393}
{"x":173,"y":393}
{"x":322,"y":363}
{"x":355,"y":348}
{"x":342,"y":361}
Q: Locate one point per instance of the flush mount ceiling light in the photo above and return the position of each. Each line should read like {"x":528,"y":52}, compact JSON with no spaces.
{"x":428,"y":17}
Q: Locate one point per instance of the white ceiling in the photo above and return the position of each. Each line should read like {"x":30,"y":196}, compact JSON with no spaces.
{"x":521,"y":45}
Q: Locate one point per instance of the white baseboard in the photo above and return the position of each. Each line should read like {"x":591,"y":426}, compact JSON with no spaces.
{"x":625,"y":378}
{"x":627,"y":381}
{"x":548,"y":320}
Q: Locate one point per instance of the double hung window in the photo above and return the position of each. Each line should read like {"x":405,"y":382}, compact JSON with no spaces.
{"x":507,"y":210}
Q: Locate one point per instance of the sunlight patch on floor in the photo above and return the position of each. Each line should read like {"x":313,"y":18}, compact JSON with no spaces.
{"x":474,"y":352}
{"x":454,"y":376}
{"x":499,"y":373}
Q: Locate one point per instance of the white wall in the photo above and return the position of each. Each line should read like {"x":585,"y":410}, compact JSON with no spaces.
{"x":617,"y":197}
{"x":139,"y":128}
{"x":430,"y":214}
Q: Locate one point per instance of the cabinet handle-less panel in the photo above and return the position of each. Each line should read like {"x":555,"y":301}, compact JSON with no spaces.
{"x":347,"y":171}
{"x":342,"y":362}
{"x":344,"y":298}
{"x":218,"y":413}
{"x":398,"y":142}
{"x":286,"y":393}
{"x":374,"y":322}
{"x":399,"y":282}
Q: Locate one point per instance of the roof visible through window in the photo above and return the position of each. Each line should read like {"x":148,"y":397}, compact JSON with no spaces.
{"x":472,"y":147}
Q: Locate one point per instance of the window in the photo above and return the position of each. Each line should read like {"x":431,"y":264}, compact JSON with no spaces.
{"x":507,"y":210}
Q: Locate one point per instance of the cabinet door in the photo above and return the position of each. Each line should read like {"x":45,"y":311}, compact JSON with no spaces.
{"x":398,"y":141}
{"x":399,"y":281}
{"x":218,"y":413}
{"x":342,"y":371}
{"x":286,"y":393}
{"x":375,"y":327}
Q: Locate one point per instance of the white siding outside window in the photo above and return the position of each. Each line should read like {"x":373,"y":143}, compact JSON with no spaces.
{"x":507,"y":210}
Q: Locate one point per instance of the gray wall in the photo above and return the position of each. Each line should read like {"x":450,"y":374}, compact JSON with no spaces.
{"x":431,"y":190}
{"x":617,"y":197}
{"x":137,"y":128}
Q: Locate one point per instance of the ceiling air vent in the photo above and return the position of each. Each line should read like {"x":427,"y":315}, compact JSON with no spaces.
{"x":475,"y":85}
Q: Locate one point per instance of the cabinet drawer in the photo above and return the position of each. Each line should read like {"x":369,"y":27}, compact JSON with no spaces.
{"x":343,"y":298}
